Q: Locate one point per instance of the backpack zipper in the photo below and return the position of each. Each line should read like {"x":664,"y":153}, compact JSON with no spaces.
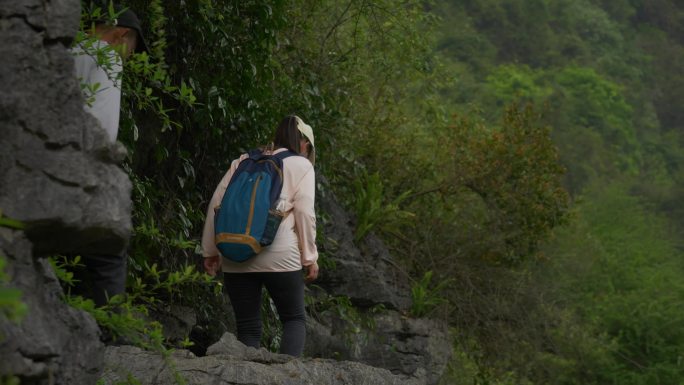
{"x":251,"y":205}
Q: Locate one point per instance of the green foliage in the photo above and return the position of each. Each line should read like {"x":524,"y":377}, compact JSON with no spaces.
{"x":272,"y":327}
{"x":11,"y":306}
{"x":584,"y":31}
{"x":466,"y":367}
{"x":580,"y":77}
{"x":324,"y":261}
{"x":373,"y":210}
{"x":124,"y":320}
{"x":356,"y":324}
{"x":595,"y":104}
{"x":528,"y":35}
{"x":11,"y":223}
{"x":424,"y":299}
{"x":508,"y":84}
{"x":155,"y":283}
{"x":151,"y":239}
{"x":126,"y":316}
{"x":515,"y":173}
{"x":623,"y":281}
{"x":9,"y":380}
{"x":593,"y":123}
{"x":366,"y":75}
{"x":355,"y":319}
{"x":637,"y":305}
{"x":148,"y":88}
{"x":130,"y":380}
{"x":607,"y":73}
{"x":105,"y":56}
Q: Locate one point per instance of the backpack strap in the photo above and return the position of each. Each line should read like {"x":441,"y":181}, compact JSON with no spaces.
{"x":257,"y":154}
{"x":284,"y":154}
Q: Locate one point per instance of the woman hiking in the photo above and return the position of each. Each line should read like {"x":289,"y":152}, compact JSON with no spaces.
{"x":278,"y":267}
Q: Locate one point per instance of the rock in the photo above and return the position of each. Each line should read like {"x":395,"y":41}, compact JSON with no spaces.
{"x":54,"y":343}
{"x":415,"y":347}
{"x":322,"y":342}
{"x":177,"y":322}
{"x":229,"y":344}
{"x":412,"y":346}
{"x":368,"y":278}
{"x":366,"y":273}
{"x":232,"y":364}
{"x":56,"y":18}
{"x":58,"y":171}
{"x":60,"y":176}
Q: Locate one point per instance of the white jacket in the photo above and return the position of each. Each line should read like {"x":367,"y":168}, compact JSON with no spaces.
{"x":294,"y":245}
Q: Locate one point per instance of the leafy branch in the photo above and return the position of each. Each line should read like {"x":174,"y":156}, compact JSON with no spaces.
{"x":372,"y":210}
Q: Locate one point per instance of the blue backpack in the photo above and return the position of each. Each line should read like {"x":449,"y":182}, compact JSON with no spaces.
{"x":247,"y":219}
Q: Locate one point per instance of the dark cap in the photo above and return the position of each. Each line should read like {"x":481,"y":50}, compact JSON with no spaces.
{"x":128,"y":19}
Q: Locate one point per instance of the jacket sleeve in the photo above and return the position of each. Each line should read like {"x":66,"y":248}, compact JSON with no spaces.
{"x":208,"y":245}
{"x":305,"y":218}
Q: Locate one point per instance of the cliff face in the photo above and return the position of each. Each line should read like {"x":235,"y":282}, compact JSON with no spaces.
{"x":367,"y":274}
{"x":59,"y":174}
{"x":60,"y":177}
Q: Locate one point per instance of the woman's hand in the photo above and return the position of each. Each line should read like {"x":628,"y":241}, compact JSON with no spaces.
{"x":311,"y":272}
{"x":212,"y":265}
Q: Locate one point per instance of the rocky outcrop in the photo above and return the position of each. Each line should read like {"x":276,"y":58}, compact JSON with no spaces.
{"x":367,"y":276}
{"x":58,"y":172}
{"x":229,"y":362}
{"x":177,"y":322}
{"x":59,"y":176}
{"x":55,"y":343}
{"x":411,"y":346}
{"x":416,"y":348}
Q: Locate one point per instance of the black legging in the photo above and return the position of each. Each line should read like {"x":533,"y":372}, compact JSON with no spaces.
{"x":287,"y":291}
{"x":100,"y":278}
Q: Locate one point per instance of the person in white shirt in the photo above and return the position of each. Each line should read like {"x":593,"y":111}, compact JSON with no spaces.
{"x":98,"y":67}
{"x":101,"y":76}
{"x":279,"y":266}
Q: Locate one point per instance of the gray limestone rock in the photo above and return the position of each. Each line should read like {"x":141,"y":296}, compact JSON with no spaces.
{"x":177,"y":322}
{"x":415,"y":347}
{"x":60,"y":176}
{"x":412,"y":346}
{"x":368,"y":277}
{"x":55,"y":18}
{"x":54,"y":343}
{"x":231,"y":363}
{"x":58,"y":172}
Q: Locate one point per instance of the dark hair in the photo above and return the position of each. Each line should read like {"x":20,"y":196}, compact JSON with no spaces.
{"x":288,"y":135}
